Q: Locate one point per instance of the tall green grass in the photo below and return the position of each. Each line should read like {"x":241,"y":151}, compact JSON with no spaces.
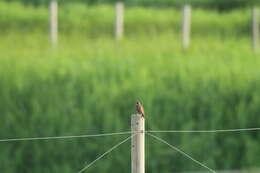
{"x":89,"y":85}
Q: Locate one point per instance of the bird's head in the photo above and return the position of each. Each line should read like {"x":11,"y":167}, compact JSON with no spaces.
{"x":137,"y":102}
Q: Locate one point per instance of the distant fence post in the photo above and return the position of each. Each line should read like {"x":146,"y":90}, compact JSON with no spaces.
{"x":54,"y":22}
{"x":255,"y":29}
{"x":186,"y":26}
{"x":137,"y":144}
{"x":119,"y":23}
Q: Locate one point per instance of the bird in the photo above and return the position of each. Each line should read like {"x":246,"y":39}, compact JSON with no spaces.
{"x":139,"y":108}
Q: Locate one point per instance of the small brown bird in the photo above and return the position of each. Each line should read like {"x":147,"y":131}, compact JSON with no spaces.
{"x":139,"y":108}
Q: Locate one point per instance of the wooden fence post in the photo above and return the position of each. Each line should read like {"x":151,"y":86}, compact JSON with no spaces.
{"x":138,"y":144}
{"x":255,"y":29}
{"x":186,"y":26}
{"x":54,"y":22}
{"x":119,"y":23}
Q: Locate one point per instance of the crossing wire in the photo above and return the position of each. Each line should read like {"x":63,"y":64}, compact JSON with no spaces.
{"x":180,"y":151}
{"x":107,"y":152}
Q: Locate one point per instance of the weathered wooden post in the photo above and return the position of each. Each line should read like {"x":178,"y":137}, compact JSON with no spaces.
{"x":255,"y":29}
{"x":54,"y":22}
{"x":186,"y":26}
{"x":138,"y":144}
{"x":119,"y":23}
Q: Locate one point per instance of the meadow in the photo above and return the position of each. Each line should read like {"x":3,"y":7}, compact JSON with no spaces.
{"x":90,"y":82}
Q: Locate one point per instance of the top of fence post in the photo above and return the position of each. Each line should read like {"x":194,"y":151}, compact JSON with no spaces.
{"x":119,"y":23}
{"x":54,"y":22}
{"x":186,"y":26}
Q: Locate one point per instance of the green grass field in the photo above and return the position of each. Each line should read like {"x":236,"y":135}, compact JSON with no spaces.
{"x":90,"y":84}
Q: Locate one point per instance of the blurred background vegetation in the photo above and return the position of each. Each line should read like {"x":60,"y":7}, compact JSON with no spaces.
{"x":218,"y":4}
{"x":90,"y":82}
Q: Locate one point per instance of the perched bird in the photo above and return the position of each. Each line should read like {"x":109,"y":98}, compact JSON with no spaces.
{"x":139,"y":108}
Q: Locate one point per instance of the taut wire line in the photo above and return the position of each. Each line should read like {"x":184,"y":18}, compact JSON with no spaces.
{"x":107,"y":152}
{"x":182,"y":152}
{"x":128,"y":132}
{"x":204,"y":131}
{"x":64,"y":137}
